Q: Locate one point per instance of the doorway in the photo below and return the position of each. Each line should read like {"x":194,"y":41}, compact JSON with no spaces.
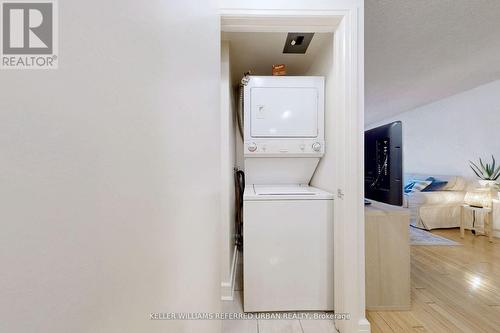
{"x":341,"y":172}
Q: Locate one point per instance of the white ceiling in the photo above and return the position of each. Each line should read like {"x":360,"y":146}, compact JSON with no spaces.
{"x":419,"y":51}
{"x":258,"y":51}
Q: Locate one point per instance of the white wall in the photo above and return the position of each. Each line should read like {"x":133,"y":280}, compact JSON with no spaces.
{"x":110,"y":173}
{"x":228,"y":161}
{"x":440,"y":138}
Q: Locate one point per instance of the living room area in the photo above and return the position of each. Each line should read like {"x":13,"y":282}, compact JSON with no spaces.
{"x":449,"y":164}
{"x":442,"y":83}
{"x":450,"y":178}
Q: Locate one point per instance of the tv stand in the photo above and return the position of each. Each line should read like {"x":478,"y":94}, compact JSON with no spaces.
{"x":387,"y":257}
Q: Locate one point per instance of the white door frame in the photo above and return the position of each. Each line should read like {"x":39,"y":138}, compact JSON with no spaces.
{"x":347,"y":24}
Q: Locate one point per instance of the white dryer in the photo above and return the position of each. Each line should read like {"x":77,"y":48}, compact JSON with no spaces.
{"x":287,"y":224}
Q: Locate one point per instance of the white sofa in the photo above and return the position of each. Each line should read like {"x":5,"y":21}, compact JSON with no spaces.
{"x":438,"y":209}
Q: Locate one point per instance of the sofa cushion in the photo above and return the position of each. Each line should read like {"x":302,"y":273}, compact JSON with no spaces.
{"x":455,"y":184}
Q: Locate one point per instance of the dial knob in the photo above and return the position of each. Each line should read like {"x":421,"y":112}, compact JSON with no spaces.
{"x":252,"y":147}
{"x":316,"y":146}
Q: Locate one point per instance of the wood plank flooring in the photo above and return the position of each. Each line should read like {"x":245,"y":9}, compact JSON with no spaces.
{"x":453,"y":289}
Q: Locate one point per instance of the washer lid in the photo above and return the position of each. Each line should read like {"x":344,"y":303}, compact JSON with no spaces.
{"x":285,"y":192}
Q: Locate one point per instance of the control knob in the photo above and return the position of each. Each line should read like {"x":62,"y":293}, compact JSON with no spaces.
{"x":252,"y":147}
{"x":316,"y":146}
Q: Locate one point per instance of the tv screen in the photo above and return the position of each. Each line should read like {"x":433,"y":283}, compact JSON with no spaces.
{"x":384,"y":164}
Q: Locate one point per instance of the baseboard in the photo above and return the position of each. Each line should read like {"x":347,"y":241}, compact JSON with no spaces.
{"x":227,"y":287}
{"x":364,"y":326}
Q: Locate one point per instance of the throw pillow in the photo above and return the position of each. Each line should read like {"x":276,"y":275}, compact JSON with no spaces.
{"x":436,"y":185}
{"x":418,"y":186}
{"x":409,"y":186}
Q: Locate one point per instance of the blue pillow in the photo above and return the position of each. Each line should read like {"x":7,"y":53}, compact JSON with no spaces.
{"x":416,"y":186}
{"x":409,"y":186}
{"x":436,"y":185}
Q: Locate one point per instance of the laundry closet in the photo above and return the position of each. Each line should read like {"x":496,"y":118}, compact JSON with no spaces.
{"x":276,"y":132}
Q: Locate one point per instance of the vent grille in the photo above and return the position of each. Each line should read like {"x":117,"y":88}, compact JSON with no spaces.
{"x":297,"y":42}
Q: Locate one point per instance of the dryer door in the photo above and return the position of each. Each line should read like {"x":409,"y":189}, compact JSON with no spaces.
{"x":284,"y":112}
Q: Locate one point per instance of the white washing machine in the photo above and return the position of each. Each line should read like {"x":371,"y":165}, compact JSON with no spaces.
{"x":288,"y":248}
{"x":287,"y":224}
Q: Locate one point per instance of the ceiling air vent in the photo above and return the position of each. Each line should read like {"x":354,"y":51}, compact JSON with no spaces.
{"x":297,"y":42}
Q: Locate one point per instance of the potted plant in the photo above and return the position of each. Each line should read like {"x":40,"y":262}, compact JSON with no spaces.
{"x":488,"y":173}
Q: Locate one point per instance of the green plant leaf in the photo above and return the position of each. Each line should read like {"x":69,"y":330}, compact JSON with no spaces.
{"x":476,"y":170}
{"x":476,"y":173}
{"x":496,"y":174}
{"x":488,"y":170}
{"x":485,"y":170}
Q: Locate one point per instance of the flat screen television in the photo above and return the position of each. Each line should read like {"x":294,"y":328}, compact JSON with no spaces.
{"x":384,"y":164}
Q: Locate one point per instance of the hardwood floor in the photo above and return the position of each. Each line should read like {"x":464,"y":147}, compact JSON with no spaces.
{"x":453,"y":289}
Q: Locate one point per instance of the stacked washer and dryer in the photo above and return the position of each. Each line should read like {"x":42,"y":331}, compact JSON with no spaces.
{"x":287,"y":224}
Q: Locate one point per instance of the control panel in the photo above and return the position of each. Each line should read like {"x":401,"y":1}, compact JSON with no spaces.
{"x":289,"y":147}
